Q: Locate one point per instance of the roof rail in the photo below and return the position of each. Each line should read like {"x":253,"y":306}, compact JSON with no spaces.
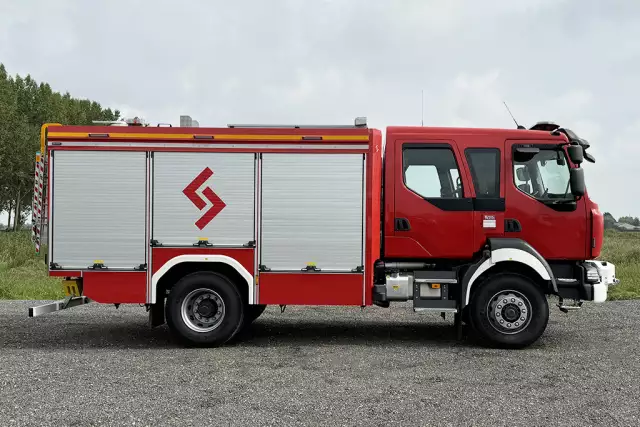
{"x":359,"y":122}
{"x":109,"y":122}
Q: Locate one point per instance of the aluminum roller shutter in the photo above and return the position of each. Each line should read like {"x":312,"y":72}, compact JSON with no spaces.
{"x":312,"y":211}
{"x":98,"y":210}
{"x":177,"y":219}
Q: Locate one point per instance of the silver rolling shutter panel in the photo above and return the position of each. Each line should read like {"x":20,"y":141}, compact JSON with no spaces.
{"x":175,"y":216}
{"x":99,"y":213}
{"x":312,"y":211}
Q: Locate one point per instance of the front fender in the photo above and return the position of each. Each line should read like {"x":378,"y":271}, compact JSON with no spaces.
{"x":507,"y":250}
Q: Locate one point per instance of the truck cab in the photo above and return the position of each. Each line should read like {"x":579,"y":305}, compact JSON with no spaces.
{"x":474,"y":206}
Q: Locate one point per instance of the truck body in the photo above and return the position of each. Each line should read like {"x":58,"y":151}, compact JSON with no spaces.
{"x":207,"y":226}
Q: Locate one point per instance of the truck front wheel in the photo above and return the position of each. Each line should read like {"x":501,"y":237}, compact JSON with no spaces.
{"x":204,"y":309}
{"x":509,"y":311}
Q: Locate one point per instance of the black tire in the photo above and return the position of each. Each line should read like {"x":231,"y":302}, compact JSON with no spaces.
{"x":493,"y":320}
{"x":252,"y":312}
{"x":221,"y":302}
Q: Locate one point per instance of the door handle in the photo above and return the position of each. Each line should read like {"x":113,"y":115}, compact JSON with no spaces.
{"x":402,"y":224}
{"x":512,"y":226}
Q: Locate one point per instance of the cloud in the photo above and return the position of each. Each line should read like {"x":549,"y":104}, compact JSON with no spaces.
{"x":328,"y":61}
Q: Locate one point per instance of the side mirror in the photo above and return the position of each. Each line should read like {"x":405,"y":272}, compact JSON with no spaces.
{"x":576,"y":179}
{"x":576,"y":154}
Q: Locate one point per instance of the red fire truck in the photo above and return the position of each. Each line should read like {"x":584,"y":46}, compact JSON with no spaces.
{"x":205,"y":227}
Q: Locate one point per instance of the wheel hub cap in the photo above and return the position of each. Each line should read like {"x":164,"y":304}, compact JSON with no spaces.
{"x":206,"y":308}
{"x":203,"y":310}
{"x":509,"y":312}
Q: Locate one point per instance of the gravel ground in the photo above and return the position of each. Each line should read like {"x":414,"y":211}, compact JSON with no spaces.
{"x":95,"y":365}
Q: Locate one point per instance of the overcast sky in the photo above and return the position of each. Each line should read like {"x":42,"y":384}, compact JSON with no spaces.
{"x":576,"y":62}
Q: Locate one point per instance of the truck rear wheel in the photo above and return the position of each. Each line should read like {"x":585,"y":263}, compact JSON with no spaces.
{"x":509,"y":311}
{"x":204,"y":309}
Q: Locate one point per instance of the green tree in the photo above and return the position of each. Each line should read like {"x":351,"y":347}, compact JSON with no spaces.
{"x":630,"y":220}
{"x":609,"y":221}
{"x":24,"y":106}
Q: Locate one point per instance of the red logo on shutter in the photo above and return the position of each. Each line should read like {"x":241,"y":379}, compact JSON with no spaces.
{"x":216,"y":203}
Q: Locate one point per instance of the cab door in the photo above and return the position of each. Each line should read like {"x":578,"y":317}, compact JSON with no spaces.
{"x":487,"y":175}
{"x":540,"y":208}
{"x":433,"y":208}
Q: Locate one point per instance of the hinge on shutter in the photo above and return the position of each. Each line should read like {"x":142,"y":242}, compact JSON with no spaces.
{"x":250,"y":244}
{"x":263,"y":268}
{"x":358,"y":269}
{"x":311,"y":267}
{"x":154,"y":242}
{"x":97,"y":266}
{"x":141,"y":267}
{"x":202,"y":242}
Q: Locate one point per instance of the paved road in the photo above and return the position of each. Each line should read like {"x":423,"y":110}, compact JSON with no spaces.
{"x":96,"y":365}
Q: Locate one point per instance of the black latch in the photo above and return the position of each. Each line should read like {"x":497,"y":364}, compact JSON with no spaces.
{"x":402,"y":224}
{"x":263,"y":268}
{"x":358,"y":269}
{"x":202,"y":242}
{"x":512,"y":226}
{"x":311,"y":268}
{"x":98,"y":266}
{"x":141,"y":267}
{"x":250,"y":244}
{"x":154,"y":242}
{"x":54,"y":266}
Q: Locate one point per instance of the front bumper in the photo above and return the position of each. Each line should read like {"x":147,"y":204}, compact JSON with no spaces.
{"x":607,"y":277}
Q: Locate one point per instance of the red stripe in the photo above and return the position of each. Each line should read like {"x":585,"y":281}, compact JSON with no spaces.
{"x":190,"y":190}
{"x":217,"y":150}
{"x":218,"y":205}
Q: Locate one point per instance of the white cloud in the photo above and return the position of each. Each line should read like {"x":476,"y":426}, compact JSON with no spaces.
{"x":328,"y":61}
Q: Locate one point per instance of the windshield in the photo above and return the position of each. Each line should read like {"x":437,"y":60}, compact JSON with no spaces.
{"x":545,"y":176}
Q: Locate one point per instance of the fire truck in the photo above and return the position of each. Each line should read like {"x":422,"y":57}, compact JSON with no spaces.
{"x":205,"y":227}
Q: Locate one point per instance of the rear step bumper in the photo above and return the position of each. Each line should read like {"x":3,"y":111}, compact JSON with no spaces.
{"x":58,"y":305}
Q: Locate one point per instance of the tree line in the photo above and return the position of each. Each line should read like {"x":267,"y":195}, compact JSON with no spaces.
{"x":610,"y":221}
{"x":24,"y":106}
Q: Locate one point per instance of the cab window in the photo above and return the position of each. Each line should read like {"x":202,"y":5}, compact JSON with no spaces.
{"x":484,"y":164}
{"x":543,"y":175}
{"x":432,"y":172}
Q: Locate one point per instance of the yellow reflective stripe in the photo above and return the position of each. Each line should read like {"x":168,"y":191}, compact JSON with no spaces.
{"x":235,"y":137}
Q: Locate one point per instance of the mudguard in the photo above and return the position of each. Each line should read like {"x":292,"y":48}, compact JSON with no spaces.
{"x":506,"y":249}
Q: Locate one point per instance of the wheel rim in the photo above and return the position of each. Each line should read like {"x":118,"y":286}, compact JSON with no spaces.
{"x":203,"y":310}
{"x":509,"y":312}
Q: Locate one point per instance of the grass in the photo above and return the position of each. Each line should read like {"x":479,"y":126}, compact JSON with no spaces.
{"x":23,"y":274}
{"x":623,"y":250}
